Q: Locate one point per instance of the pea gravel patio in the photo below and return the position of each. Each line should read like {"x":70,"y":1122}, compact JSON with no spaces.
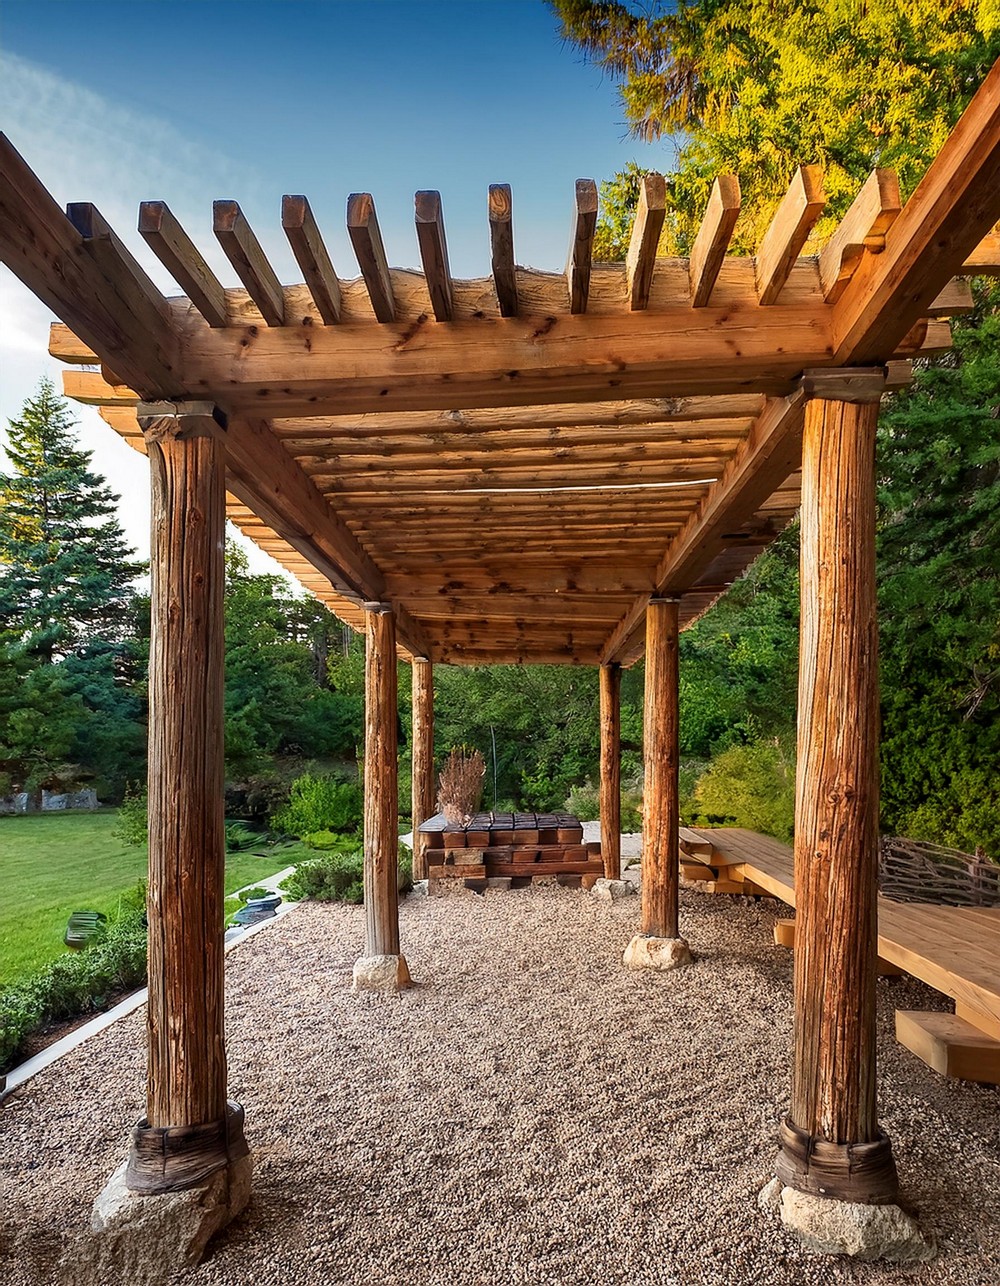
{"x":530,"y":1113}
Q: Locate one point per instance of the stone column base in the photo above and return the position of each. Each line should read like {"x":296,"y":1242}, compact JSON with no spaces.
{"x":145,"y":1239}
{"x":827,"y":1226}
{"x":644,"y":952}
{"x":381,"y":973}
{"x":606,"y":890}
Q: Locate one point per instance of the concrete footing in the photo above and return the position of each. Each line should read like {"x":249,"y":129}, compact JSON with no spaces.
{"x":146,"y":1239}
{"x":656,"y":953}
{"x":380,"y":973}
{"x":827,"y":1226}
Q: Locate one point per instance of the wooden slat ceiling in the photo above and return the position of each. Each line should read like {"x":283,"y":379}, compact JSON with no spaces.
{"x":515,"y":462}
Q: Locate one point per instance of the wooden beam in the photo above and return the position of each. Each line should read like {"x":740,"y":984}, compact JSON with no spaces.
{"x":767,"y":456}
{"x":127,"y":328}
{"x":493,"y":576}
{"x":611,"y":768}
{"x":423,"y":785}
{"x":800,"y":207}
{"x":954,"y":206}
{"x":737,"y":406}
{"x":366,"y":238}
{"x":264,"y":477}
{"x":984,"y":261}
{"x":581,"y":250}
{"x":863,"y":227}
{"x":501,"y":212}
{"x":245,"y":253}
{"x":434,"y":253}
{"x":394,"y":368}
{"x":641,"y":258}
{"x":955,"y":300}
{"x":831,"y":1141}
{"x":183,"y":260}
{"x":714,"y":236}
{"x":312,"y":256}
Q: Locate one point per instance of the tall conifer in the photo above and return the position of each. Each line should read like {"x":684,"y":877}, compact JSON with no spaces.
{"x":66,"y":571}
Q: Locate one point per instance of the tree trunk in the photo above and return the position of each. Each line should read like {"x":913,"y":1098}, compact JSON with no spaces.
{"x":423,"y":793}
{"x":381,"y":784}
{"x":187,"y":1059}
{"x":661,"y":813}
{"x":831,"y":1143}
{"x":611,"y":762}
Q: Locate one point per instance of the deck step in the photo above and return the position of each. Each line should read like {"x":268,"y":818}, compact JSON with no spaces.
{"x":949,"y":1045}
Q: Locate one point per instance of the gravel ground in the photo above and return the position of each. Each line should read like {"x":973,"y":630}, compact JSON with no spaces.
{"x":529,"y":1113}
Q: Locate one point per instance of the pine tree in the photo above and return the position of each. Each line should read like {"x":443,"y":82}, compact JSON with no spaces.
{"x":66,"y":571}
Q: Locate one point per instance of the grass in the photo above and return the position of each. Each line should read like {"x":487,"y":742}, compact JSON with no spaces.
{"x":52,"y":864}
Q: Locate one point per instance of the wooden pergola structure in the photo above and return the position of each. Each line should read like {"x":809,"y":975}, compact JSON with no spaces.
{"x":532,"y":467}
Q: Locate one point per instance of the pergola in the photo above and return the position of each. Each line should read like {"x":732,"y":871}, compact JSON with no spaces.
{"x":531,"y":467}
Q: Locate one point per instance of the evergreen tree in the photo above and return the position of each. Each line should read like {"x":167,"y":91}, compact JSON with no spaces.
{"x":66,"y":571}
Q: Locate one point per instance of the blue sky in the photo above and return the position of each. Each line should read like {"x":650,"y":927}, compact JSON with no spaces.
{"x":193,"y":100}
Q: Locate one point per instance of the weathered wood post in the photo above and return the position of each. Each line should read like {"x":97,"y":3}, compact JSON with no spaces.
{"x":659,"y":945}
{"x":611,"y":768}
{"x":422,"y":782}
{"x":191,"y":1139}
{"x":832,"y":1149}
{"x":382,"y":967}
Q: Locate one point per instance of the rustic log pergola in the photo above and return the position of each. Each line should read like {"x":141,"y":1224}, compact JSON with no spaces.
{"x":532,"y":467}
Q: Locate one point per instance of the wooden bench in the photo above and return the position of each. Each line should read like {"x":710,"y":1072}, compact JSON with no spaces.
{"x":955,"y":950}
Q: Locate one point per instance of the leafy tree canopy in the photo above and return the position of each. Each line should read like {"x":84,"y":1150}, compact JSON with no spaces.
{"x":757,"y":87}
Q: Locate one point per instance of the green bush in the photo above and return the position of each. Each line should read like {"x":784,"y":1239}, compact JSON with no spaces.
{"x":132,"y":826}
{"x":320,"y":803}
{"x":584,"y":802}
{"x":326,"y":841}
{"x":84,"y":982}
{"x":339,"y":877}
{"x":751,"y":786}
{"x":249,"y":895}
{"x":334,"y":877}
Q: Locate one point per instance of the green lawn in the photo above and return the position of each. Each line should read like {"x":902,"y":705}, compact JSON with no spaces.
{"x":54,"y":863}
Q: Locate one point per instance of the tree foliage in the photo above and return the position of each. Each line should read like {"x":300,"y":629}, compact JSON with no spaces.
{"x":758,"y":87}
{"x":67,"y":571}
{"x":71,"y":667}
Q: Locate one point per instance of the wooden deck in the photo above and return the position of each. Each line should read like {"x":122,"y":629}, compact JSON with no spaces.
{"x":955,"y":950}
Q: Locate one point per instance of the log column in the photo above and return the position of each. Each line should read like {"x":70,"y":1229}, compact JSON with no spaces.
{"x":423,"y":792}
{"x":611,"y":766}
{"x":382,"y":968}
{"x":189,"y":1131}
{"x":659,"y":945}
{"x":831,"y":1144}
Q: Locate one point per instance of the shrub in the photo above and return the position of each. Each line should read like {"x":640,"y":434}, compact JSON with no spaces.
{"x":132,"y":826}
{"x":325,"y":841}
{"x":114,"y":961}
{"x":320,"y":803}
{"x":584,"y":802}
{"x":249,"y":895}
{"x":460,"y":785}
{"x":334,"y":877}
{"x":751,"y":786}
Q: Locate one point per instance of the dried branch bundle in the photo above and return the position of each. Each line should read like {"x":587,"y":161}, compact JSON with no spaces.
{"x":460,"y":785}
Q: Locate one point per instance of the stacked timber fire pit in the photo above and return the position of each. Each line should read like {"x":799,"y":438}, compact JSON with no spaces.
{"x":508,"y":850}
